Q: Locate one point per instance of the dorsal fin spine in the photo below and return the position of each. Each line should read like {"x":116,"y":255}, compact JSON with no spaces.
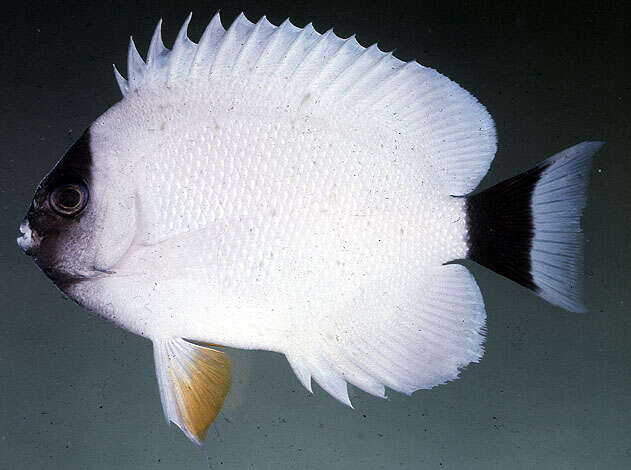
{"x":374,"y":70}
{"x":135,"y":65}
{"x":321,"y":77}
{"x":206,"y":49}
{"x":311,"y":55}
{"x":157,"y":50}
{"x":293,"y":47}
{"x":355,"y":64}
{"x":224,"y":45}
{"x":249,"y":44}
{"x":122,"y":83}
{"x":306,"y":69}
{"x":343,"y":82}
{"x":182,"y":45}
{"x":272,"y":43}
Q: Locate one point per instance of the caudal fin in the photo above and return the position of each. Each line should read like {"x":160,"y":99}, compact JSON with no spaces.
{"x":527,"y":228}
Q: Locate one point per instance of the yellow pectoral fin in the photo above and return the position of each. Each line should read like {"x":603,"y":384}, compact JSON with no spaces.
{"x":194,"y":381}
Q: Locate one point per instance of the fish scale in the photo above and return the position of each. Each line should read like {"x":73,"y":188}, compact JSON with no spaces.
{"x":349,"y":178}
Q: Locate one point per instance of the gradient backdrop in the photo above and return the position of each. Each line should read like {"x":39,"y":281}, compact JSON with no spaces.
{"x":554,"y":389}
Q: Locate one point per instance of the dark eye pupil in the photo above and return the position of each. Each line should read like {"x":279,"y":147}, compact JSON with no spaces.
{"x":68,"y":198}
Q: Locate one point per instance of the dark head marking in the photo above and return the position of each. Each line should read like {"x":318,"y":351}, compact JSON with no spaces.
{"x":73,"y":170}
{"x":59,"y":203}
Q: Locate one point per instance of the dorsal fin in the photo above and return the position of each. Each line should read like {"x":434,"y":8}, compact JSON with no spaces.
{"x":194,"y":381}
{"x":336,"y":76}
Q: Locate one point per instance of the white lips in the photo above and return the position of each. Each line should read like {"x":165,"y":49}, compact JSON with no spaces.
{"x":26,"y":241}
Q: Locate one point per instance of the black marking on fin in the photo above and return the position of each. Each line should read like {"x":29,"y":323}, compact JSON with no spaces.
{"x":500,"y":226}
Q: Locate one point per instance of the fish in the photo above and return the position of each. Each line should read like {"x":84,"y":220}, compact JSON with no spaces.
{"x":280,"y":189}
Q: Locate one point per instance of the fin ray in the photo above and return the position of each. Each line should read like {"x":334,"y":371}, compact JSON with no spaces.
{"x":420,"y":335}
{"x":207,"y":48}
{"x":194,"y":381}
{"x":157,"y":50}
{"x":527,"y":228}
{"x":181,"y":57}
{"x":446,"y":123}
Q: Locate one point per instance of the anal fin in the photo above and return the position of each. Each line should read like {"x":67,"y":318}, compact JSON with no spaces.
{"x":405,"y":331}
{"x":194,"y":381}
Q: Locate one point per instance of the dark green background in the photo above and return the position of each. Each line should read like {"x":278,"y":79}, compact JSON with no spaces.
{"x":553,"y":390}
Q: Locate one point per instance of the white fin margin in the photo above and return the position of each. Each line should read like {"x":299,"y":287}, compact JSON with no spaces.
{"x":557,"y":205}
{"x":413,"y":343}
{"x":335,"y":75}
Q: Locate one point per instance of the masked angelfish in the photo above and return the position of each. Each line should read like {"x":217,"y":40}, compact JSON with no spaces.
{"x":280,"y":189}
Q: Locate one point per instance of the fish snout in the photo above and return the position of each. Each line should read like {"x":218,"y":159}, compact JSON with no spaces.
{"x":28,"y":239}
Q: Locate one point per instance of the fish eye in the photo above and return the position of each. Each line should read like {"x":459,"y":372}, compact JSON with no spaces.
{"x":69,"y":199}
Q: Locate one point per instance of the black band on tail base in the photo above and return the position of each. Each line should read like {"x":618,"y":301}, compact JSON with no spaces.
{"x":501,"y":227}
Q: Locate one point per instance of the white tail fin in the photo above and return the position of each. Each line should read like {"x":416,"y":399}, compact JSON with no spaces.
{"x":557,"y":247}
{"x":527,"y":228}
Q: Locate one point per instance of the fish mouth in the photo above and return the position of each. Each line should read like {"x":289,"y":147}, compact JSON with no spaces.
{"x":30,"y":242}
{"x":29,"y":239}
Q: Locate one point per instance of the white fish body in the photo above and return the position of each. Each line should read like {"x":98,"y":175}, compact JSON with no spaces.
{"x":274,"y":188}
